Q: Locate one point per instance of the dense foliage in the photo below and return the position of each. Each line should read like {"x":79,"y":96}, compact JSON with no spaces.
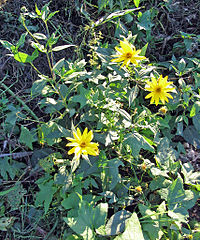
{"x":96,"y":143}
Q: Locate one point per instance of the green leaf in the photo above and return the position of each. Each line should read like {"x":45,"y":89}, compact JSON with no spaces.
{"x":192,"y":136}
{"x":21,"y":40}
{"x":113,"y":16}
{"x":196,"y":121}
{"x":179,"y":200}
{"x":132,"y":230}
{"x":137,"y":2}
{"x":137,"y":142}
{"x":181,"y":65}
{"x":8,"y":45}
{"x":88,"y":218}
{"x":15,"y":196}
{"x":59,"y":48}
{"x":152,"y":225}
{"x":40,"y":36}
{"x":166,"y":154}
{"x":25,"y":58}
{"x":116,"y":224}
{"x":190,"y":177}
{"x":37,"y":10}
{"x":71,"y":201}
{"x":38,"y":86}
{"x":81,"y":97}
{"x":195,"y":109}
{"x":145,"y":21}
{"x":51,"y":15}
{"x":6,"y":169}
{"x":111,"y":173}
{"x":3,"y":193}
{"x":45,"y":195}
{"x":26,"y":137}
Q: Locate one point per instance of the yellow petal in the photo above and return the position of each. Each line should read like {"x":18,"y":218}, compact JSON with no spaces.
{"x":72,"y":144}
{"x":84,"y":136}
{"x":89,"y":136}
{"x":149,"y":95}
{"x":72,"y":150}
{"x":126,"y":46}
{"x":119,"y":50}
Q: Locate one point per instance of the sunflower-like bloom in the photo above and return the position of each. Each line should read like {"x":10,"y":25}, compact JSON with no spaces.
{"x":159,"y":90}
{"x":127,"y":54}
{"x":82,"y":144}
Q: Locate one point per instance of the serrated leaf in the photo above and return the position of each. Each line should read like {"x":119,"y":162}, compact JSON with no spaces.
{"x":6,"y":169}
{"x":45,"y":195}
{"x":81,"y":97}
{"x":26,"y":137}
{"x":133,"y":229}
{"x":137,"y":142}
{"x":88,"y":218}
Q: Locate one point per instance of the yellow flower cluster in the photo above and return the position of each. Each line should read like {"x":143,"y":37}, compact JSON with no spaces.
{"x":159,"y":88}
{"x":159,"y":91}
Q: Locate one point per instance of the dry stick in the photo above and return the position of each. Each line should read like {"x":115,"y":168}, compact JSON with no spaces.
{"x":16,"y":155}
{"x":20,"y":101}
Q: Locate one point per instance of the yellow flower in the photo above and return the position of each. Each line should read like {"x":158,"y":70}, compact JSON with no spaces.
{"x":127,"y":54}
{"x":82,"y":144}
{"x":159,"y":90}
{"x":138,"y":189}
{"x":163,"y":110}
{"x":144,"y":166}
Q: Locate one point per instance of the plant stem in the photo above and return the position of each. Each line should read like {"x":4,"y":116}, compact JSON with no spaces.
{"x":20,"y":101}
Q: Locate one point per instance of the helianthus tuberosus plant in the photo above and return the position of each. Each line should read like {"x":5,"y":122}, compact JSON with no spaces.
{"x":131,"y":165}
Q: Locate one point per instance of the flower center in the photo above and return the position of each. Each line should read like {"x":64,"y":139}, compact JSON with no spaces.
{"x":128,"y":55}
{"x":83,"y":145}
{"x":158,"y":90}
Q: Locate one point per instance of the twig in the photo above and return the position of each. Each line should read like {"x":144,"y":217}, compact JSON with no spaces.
{"x":16,"y":155}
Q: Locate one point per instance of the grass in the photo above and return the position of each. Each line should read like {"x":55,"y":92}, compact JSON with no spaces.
{"x":140,"y":180}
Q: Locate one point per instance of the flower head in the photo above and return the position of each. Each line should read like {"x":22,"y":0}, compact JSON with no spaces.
{"x":138,"y":189}
{"x":163,"y":110}
{"x":127,"y":54}
{"x":159,"y":90}
{"x":144,"y":166}
{"x":82,"y":144}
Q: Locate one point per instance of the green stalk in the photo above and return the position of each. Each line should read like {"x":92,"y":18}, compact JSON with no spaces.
{"x":20,"y":101}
